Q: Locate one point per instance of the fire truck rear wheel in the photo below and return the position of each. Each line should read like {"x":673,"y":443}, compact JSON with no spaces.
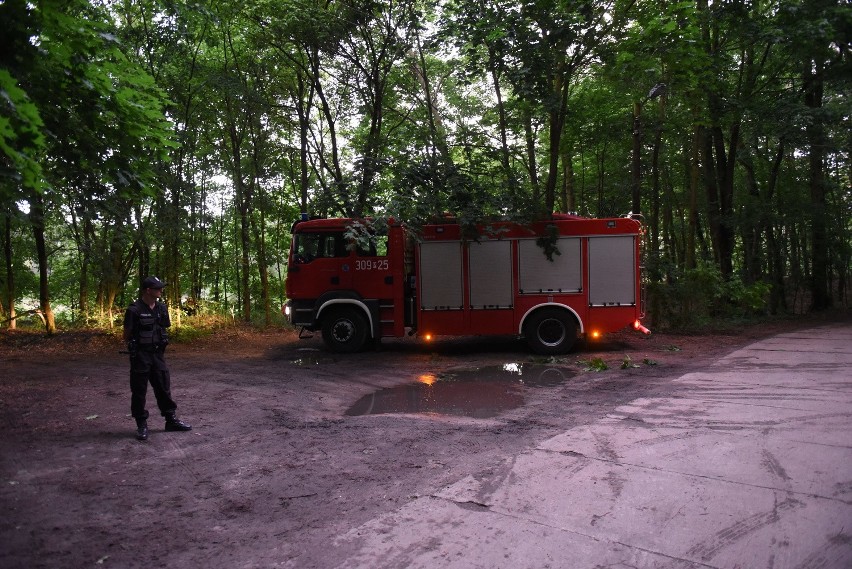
{"x":551,"y":331}
{"x":344,"y":330}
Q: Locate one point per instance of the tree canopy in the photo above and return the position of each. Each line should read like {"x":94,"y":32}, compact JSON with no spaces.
{"x":182,"y":139}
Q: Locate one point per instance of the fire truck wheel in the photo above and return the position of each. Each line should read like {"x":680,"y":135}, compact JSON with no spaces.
{"x":551,"y":331}
{"x":344,"y":330}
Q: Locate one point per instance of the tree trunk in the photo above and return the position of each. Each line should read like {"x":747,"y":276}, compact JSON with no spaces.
{"x":655,"y":182}
{"x":726,"y":196}
{"x":532,"y":166}
{"x":503,"y":126}
{"x":690,"y":261}
{"x":670,"y":241}
{"x":636,"y":160}
{"x":245,"y":245}
{"x":120,"y":265}
{"x":556,"y":122}
{"x":437,"y":133}
{"x":303,"y":111}
{"x":260,"y":242}
{"x":85,"y":259}
{"x":371,"y":157}
{"x":330,"y":114}
{"x":37,"y":222}
{"x":567,"y":199}
{"x":778,"y":294}
{"x":718,"y":165}
{"x":84,"y":234}
{"x":242,"y":201}
{"x":172,"y":246}
{"x":10,"y":273}
{"x":752,"y":222}
{"x":820,"y":290}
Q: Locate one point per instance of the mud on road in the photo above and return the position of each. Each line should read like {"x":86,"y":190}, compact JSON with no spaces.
{"x":291,"y":446}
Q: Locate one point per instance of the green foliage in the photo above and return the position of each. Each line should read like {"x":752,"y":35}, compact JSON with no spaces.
{"x":426,"y":190}
{"x":361,"y":234}
{"x":548,"y":360}
{"x":747,"y":299}
{"x":110,"y":123}
{"x":186,"y":333}
{"x":700,"y":296}
{"x":548,"y":242}
{"x":21,"y":139}
{"x":594,"y":364}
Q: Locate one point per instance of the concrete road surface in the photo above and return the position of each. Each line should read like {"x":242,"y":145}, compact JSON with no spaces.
{"x":748,"y":464}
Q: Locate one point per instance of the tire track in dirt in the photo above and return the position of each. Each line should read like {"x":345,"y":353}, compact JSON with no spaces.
{"x":741,"y":529}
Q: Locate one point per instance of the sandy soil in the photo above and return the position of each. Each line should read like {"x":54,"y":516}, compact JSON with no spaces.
{"x":291,"y":446}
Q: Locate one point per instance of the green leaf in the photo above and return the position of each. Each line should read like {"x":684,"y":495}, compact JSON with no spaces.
{"x":627,"y":363}
{"x":595,"y":364}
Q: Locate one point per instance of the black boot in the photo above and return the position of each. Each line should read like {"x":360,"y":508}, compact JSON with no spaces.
{"x":141,"y":430}
{"x":175,"y":424}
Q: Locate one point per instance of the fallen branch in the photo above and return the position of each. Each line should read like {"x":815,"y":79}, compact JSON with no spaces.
{"x":27,"y":313}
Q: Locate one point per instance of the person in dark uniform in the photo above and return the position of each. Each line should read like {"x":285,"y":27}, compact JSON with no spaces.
{"x":145,"y":330}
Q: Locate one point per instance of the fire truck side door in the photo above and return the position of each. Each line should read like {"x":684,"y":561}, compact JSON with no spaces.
{"x":325,"y":256}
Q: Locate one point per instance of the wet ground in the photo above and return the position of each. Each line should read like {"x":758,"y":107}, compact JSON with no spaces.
{"x":292,"y":448}
{"x":478,"y":392}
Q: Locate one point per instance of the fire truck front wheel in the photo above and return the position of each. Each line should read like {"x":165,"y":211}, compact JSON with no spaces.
{"x":344,"y":330}
{"x":551,"y":331}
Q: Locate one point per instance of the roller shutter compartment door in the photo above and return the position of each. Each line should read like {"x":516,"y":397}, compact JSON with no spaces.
{"x":612,"y":271}
{"x":441,"y":276}
{"x":538,"y":274}
{"x":490,"y":274}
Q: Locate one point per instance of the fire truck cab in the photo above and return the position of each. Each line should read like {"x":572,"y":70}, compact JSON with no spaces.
{"x":549,"y":282}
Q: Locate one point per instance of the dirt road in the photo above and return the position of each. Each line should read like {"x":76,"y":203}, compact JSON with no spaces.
{"x":291,"y":446}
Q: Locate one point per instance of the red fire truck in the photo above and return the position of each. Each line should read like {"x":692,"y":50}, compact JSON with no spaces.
{"x":549,"y":282}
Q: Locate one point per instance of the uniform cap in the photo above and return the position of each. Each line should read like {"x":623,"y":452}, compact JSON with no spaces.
{"x":152,"y":282}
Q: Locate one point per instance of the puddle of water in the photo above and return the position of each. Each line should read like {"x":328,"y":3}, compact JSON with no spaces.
{"x":308,"y":360}
{"x":311,"y":357}
{"x":480,"y":393}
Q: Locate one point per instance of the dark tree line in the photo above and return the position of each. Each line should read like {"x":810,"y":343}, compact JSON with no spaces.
{"x":182,"y":139}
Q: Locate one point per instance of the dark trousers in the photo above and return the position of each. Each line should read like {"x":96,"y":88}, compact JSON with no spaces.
{"x":150,"y":367}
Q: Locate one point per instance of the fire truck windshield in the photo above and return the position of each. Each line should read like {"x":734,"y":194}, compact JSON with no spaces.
{"x":317,"y":245}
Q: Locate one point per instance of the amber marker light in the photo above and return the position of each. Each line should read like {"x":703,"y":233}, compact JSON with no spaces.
{"x":427,"y":337}
{"x":596,"y":335}
{"x":427,"y":379}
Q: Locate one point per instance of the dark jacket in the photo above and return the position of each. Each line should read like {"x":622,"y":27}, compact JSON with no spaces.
{"x":147,"y":326}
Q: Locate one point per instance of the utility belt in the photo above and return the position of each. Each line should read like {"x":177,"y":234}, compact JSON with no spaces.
{"x":134,"y":348}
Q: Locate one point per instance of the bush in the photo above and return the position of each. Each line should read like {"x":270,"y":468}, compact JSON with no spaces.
{"x":698,"y":297}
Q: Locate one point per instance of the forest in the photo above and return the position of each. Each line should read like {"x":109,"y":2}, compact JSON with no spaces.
{"x":183,"y":138}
